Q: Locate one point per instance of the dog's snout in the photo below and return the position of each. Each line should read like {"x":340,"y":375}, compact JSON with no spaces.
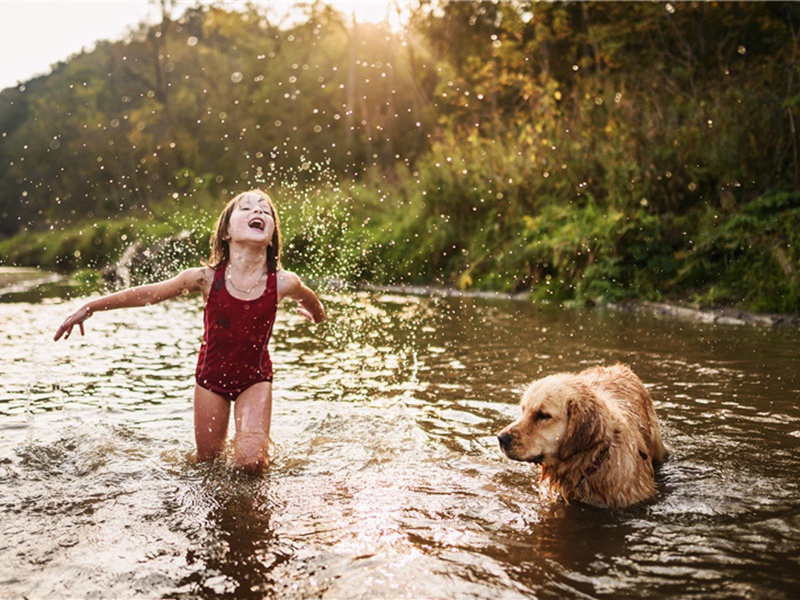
{"x":505,"y":440}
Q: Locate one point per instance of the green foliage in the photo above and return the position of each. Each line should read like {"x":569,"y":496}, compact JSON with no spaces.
{"x":99,"y":244}
{"x":593,"y":254}
{"x":751,"y":256}
{"x":584,"y":151}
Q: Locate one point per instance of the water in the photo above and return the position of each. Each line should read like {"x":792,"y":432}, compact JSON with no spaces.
{"x":386,"y":480}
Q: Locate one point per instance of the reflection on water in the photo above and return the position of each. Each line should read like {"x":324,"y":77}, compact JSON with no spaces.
{"x":385,"y":478}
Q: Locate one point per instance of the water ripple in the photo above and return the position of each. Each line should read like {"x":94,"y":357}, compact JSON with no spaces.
{"x":385,"y":478}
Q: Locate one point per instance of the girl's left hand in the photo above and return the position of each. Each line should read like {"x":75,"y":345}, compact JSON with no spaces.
{"x":306,"y":313}
{"x":76,"y":319}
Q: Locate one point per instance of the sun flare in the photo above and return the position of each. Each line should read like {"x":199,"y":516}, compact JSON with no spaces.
{"x":392,"y":12}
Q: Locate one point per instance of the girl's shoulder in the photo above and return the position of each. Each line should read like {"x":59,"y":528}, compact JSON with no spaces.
{"x":284,"y":274}
{"x":287,"y":277}
{"x":287,"y":282}
{"x":198,"y":279}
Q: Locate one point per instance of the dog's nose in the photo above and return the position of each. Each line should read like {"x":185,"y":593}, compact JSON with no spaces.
{"x":504,"y":439}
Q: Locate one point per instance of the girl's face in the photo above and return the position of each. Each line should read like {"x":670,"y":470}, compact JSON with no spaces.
{"x":252,"y":220}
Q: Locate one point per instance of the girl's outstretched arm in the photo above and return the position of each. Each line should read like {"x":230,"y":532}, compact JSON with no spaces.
{"x":190,"y":280}
{"x":290,"y":286}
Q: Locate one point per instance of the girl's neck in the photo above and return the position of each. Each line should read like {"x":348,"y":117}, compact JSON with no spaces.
{"x":245,"y":260}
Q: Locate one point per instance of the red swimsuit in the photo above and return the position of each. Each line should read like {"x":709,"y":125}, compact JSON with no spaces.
{"x":234,"y":352}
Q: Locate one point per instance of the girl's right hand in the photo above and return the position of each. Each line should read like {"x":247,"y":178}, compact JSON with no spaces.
{"x":75,"y":319}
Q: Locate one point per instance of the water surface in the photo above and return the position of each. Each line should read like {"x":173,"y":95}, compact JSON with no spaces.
{"x":386,"y":480}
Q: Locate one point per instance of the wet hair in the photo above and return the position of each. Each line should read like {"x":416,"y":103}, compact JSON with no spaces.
{"x":220,"y":250}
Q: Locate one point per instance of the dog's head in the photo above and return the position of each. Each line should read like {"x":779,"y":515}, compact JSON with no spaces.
{"x":559,"y":419}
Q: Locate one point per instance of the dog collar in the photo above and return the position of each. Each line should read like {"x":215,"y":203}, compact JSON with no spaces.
{"x":592,"y":468}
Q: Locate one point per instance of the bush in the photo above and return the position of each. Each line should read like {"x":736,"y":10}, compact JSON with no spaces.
{"x":750,"y":258}
{"x":593,"y":254}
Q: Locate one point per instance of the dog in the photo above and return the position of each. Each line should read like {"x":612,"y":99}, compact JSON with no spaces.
{"x":595,"y":435}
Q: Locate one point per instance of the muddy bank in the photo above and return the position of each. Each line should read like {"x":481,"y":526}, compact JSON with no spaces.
{"x":16,"y":279}
{"x":721,"y":316}
{"x":429,"y":290}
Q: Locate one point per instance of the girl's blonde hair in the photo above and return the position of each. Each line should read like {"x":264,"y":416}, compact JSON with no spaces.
{"x":220,"y":250}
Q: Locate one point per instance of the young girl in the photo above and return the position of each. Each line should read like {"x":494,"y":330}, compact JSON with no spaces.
{"x":242,"y":286}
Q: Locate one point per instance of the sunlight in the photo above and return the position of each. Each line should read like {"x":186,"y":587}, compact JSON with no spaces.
{"x":393,"y":12}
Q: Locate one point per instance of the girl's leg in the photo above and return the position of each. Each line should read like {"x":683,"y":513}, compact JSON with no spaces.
{"x":211,"y":414}
{"x":252,"y":413}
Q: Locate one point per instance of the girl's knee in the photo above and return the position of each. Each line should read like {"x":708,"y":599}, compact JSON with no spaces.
{"x":250,"y":451}
{"x":207,"y":455}
{"x":252,"y":465}
{"x":209,"y":449}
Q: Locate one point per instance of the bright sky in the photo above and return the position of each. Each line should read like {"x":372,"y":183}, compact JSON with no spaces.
{"x":35,"y":34}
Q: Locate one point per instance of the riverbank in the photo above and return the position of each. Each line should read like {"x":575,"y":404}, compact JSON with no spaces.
{"x":19,"y":279}
{"x":16,"y":280}
{"x":721,"y":316}
{"x":667,"y":310}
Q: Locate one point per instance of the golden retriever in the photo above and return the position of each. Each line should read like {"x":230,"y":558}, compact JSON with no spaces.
{"x":594,"y":433}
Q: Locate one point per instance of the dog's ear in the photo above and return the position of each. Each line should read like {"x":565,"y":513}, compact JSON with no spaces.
{"x":585,"y":426}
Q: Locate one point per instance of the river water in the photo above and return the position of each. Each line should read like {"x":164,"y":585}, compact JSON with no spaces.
{"x":386,"y":480}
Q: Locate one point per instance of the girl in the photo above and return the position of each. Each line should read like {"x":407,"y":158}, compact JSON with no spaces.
{"x":242,"y":286}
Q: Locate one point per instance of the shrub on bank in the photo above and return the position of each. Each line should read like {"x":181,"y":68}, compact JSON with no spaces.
{"x":579,"y":251}
{"x":750,"y":257}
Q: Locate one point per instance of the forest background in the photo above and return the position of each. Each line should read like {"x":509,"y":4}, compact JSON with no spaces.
{"x":579,"y":151}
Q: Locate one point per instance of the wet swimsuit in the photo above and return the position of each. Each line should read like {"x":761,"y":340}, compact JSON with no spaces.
{"x":234,"y":354}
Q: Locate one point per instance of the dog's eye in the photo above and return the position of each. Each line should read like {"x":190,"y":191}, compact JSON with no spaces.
{"x":541,"y":416}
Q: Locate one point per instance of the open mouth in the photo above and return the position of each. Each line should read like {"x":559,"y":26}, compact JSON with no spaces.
{"x":257,"y":223}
